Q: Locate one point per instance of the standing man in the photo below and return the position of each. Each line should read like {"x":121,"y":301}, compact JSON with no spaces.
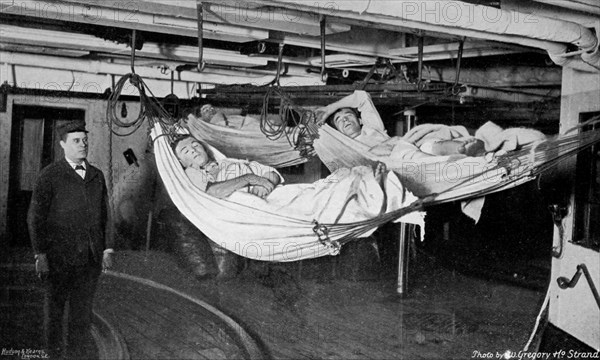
{"x":70,"y":229}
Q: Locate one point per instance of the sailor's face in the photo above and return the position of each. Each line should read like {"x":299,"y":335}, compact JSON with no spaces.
{"x":207,"y":112}
{"x":191,"y":153}
{"x":347,"y":123}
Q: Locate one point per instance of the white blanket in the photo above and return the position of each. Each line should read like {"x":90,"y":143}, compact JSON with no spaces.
{"x":345,"y":196}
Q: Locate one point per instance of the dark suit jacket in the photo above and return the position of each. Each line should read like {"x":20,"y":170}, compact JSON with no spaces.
{"x":68,"y":216}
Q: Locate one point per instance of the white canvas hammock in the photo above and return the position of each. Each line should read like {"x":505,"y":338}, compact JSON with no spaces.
{"x":242,"y":225}
{"x":240,"y":143}
{"x":463,"y":178}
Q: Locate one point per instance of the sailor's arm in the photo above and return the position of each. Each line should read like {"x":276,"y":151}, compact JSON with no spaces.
{"x":223,"y":189}
{"x":359,"y":100}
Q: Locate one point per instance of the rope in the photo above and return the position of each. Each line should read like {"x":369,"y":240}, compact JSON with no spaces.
{"x":591,"y":122}
{"x":150,"y":109}
{"x":296,"y":123}
{"x":538,"y":319}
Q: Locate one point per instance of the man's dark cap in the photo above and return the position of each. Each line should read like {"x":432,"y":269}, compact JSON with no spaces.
{"x":71,"y":126}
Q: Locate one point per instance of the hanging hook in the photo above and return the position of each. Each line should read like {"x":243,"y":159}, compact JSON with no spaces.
{"x":279,"y":62}
{"x":200,"y":14}
{"x":559,"y":212}
{"x":133,"y":52}
{"x":420,"y":84}
{"x":322,"y":24}
{"x":456,"y":88}
{"x":392,"y":68}
{"x":172,"y":80}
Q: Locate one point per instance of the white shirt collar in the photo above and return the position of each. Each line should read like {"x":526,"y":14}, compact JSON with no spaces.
{"x":73,"y":164}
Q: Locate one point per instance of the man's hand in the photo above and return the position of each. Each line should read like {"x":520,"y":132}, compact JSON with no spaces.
{"x":41,"y":266}
{"x":259,"y":191}
{"x":107,"y":261}
{"x":260,"y":181}
{"x":273,"y":177}
{"x":321,"y":114}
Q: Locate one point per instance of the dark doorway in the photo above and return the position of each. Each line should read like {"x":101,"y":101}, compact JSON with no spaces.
{"x":34,"y":145}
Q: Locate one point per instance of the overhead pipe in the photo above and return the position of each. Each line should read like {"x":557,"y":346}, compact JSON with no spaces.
{"x":555,"y":11}
{"x":420,"y":84}
{"x":588,"y":6}
{"x":133,"y":52}
{"x":200,"y":18}
{"x":469,"y":20}
{"x":456,"y":88}
{"x":501,"y":76}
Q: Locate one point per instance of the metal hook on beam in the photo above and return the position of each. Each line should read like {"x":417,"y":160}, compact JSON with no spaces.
{"x":323,"y":24}
{"x":172,"y":80}
{"x":420,"y":84}
{"x":279,"y":62}
{"x":456,"y":88}
{"x":133,"y":52}
{"x":391,"y":67}
{"x":200,"y":14}
{"x":365,"y":81}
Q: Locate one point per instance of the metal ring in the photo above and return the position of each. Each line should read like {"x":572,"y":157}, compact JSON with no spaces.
{"x":261,"y":47}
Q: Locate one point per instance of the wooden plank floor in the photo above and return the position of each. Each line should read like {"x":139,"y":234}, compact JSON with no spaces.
{"x":446,"y":315}
{"x":161,"y":325}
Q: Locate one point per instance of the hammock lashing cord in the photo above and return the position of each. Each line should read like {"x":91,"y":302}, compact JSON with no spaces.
{"x":299,"y":136}
{"x":294,"y":122}
{"x":150,"y":107}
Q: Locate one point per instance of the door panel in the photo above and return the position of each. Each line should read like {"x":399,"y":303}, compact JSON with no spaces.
{"x":31,"y":153}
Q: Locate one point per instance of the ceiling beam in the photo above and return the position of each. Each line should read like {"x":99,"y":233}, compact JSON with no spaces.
{"x":551,"y":11}
{"x":10,"y":34}
{"x":588,"y":6}
{"x":415,"y":18}
{"x":127,"y":16}
{"x":240,"y":14}
{"x":208,"y":76}
{"x":235,"y":23}
{"x":507,"y":95}
{"x":452,"y":48}
{"x":499,"y":76}
{"x":351,"y":61}
{"x":181,"y":14}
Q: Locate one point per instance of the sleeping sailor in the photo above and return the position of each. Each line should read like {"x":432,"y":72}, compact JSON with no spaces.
{"x":347,"y":195}
{"x":221,"y":179}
